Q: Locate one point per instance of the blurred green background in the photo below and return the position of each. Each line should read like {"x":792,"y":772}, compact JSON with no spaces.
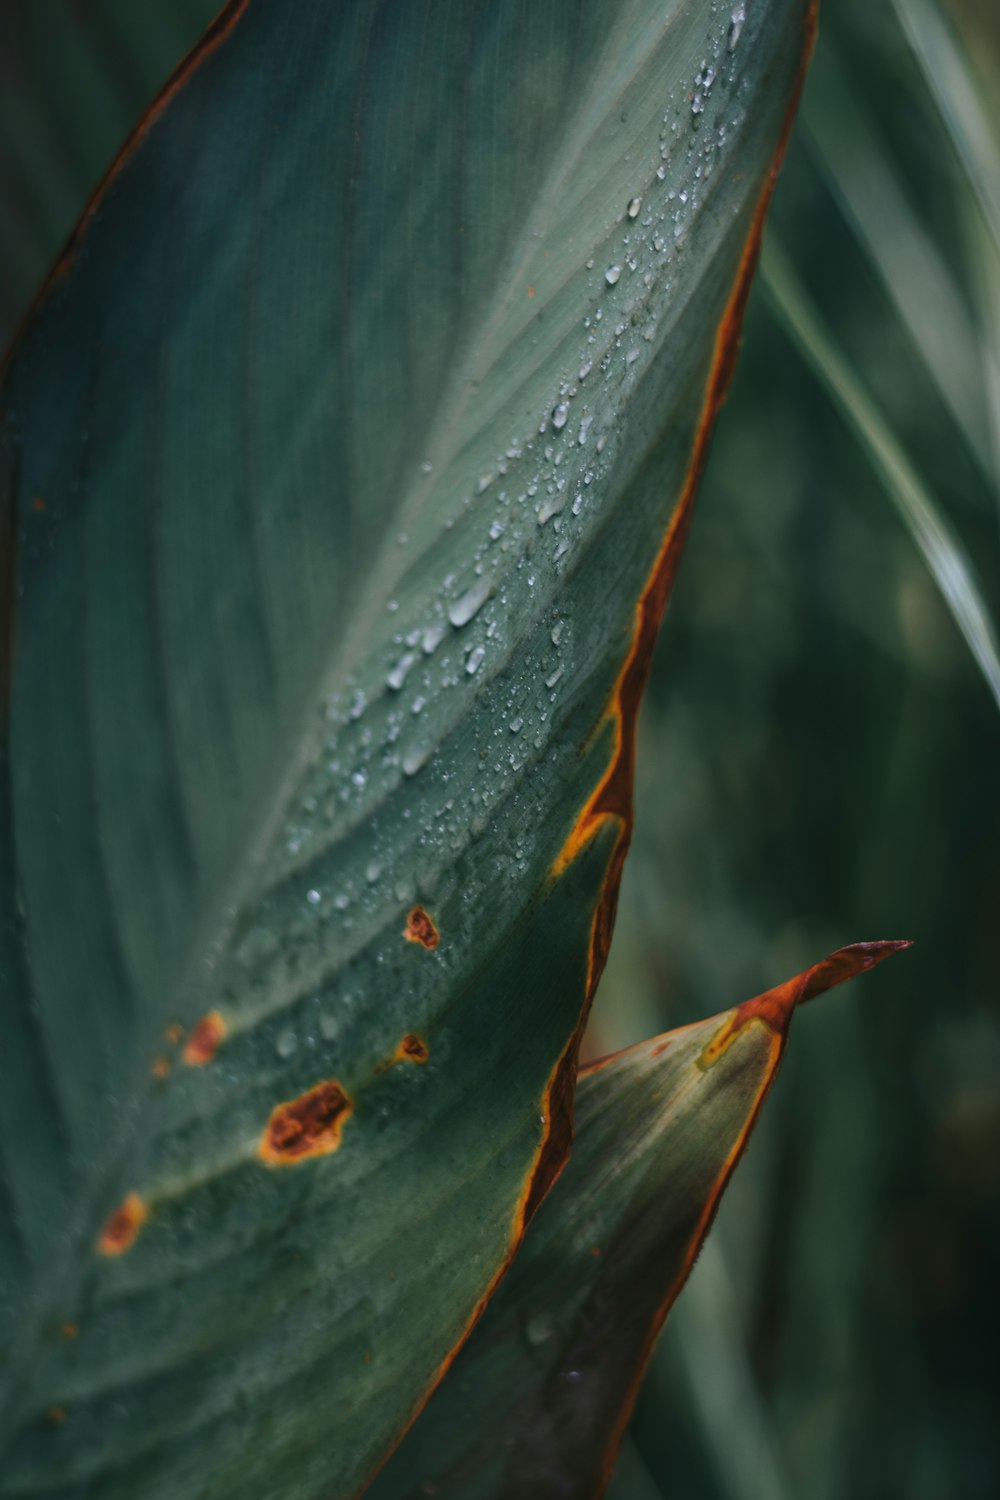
{"x":819,"y":751}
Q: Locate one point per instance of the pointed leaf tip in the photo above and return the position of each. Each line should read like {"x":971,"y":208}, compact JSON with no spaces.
{"x":775,"y":1007}
{"x":847,"y":963}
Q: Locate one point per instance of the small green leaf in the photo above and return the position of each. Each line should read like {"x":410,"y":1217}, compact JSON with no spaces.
{"x":538,"y":1400}
{"x":346,"y":461}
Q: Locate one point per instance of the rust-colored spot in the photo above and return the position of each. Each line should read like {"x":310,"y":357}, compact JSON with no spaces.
{"x":531,"y":291}
{"x":55,"y":1416}
{"x":68,"y":1331}
{"x":420,"y":929}
{"x":121,"y":1229}
{"x":173,"y":1033}
{"x":205,"y":1040}
{"x":161,"y":1067}
{"x":38,"y":505}
{"x":595,"y":1251}
{"x":307,"y":1126}
{"x":412,"y":1048}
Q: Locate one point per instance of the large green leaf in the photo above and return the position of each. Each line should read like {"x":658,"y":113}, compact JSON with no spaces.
{"x":346,"y":462}
{"x":540,"y":1396}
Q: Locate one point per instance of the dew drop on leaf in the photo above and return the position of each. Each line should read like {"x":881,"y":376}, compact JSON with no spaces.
{"x":464,"y":609}
{"x":286,"y":1043}
{"x":398,"y":675}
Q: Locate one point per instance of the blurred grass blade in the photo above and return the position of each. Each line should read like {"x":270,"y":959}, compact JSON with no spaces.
{"x":346,"y":461}
{"x":956,"y":93}
{"x":539,"y":1399}
{"x":984,"y":257}
{"x":940,"y":547}
{"x":851,"y":154}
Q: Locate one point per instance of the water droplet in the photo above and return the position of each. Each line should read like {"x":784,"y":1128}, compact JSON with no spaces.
{"x":462,"y":610}
{"x":286,"y":1043}
{"x":373,"y":871}
{"x":432,"y":637}
{"x":554,"y":677}
{"x":496,"y":530}
{"x":612,"y":274}
{"x":697,"y":104}
{"x":360,"y":777}
{"x":736,"y":24}
{"x":516,"y":725}
{"x":413,"y":760}
{"x":328,"y":1027}
{"x":313,"y":897}
{"x":484,"y":483}
{"x":342,"y":902}
{"x":556,"y":631}
{"x":358,"y":705}
{"x":551,"y":506}
{"x":426,"y":466}
{"x":560,"y":415}
{"x":634,"y":207}
{"x":584,"y":429}
{"x":398,"y":675}
{"x":474,"y":660}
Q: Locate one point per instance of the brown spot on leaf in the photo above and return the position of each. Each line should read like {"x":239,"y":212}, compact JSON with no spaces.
{"x":161,"y":1067}
{"x":38,"y":505}
{"x":307,"y":1126}
{"x":68,"y":1331}
{"x":205,"y":1040}
{"x":55,"y":1416}
{"x":121,"y":1229}
{"x":173,"y":1033}
{"x":420,"y":929}
{"x":413,"y":1049}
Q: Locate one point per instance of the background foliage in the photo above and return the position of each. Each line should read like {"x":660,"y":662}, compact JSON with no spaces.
{"x":817,"y":765}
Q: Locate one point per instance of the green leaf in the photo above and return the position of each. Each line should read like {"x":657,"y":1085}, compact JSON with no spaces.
{"x":345,"y":462}
{"x":72,"y":81}
{"x":539,"y":1398}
